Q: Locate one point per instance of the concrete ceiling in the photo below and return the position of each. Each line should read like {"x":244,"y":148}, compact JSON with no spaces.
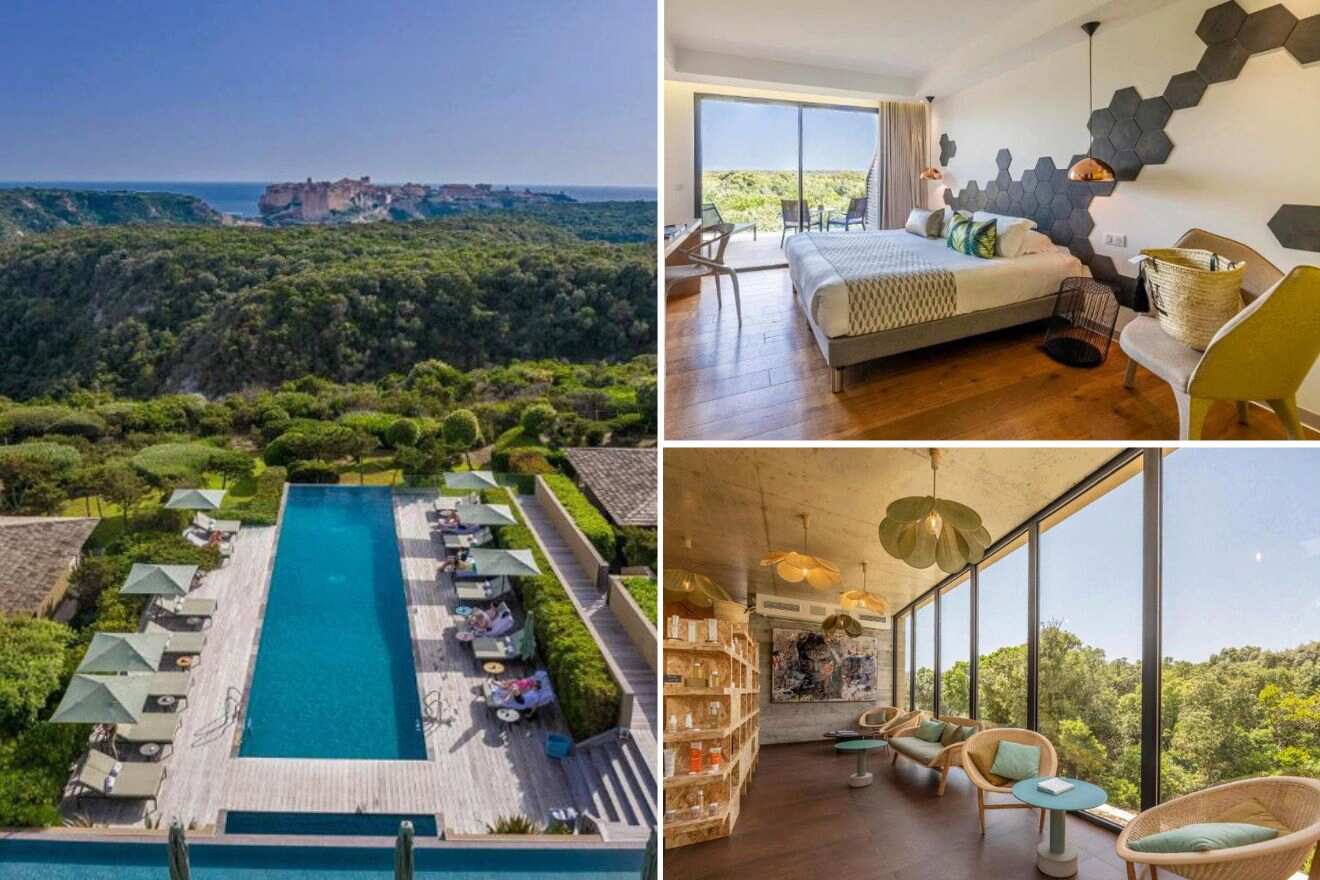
{"x":872,"y":49}
{"x":715,"y":525}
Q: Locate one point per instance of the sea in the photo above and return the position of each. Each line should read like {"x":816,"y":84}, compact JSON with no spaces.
{"x":241,"y":198}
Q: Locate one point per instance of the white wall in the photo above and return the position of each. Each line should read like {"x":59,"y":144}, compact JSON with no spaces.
{"x":676,"y":195}
{"x":1246,"y":150}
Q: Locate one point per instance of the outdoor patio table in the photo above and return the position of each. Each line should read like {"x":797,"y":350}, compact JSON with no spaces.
{"x":494,"y":668}
{"x":149,"y":750}
{"x":508,"y":716}
{"x":862,"y":747}
{"x":1053,"y":857}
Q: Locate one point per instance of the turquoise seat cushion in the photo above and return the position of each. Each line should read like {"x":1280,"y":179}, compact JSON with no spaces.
{"x":930,"y":730}
{"x":1203,"y":837}
{"x":916,"y":749}
{"x":1016,"y":761}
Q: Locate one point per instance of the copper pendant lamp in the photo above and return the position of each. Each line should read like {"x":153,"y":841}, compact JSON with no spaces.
{"x":1090,"y":169}
{"x":931,"y":171}
{"x":796,"y":567}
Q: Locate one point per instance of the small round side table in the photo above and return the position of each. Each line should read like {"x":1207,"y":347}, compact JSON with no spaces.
{"x":508,"y":716}
{"x":493,"y":668}
{"x":862,"y":747}
{"x":1082,"y":328}
{"x":1054,"y":858}
{"x":149,"y":750}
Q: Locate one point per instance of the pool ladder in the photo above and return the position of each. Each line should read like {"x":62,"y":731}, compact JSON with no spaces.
{"x":431,"y":704}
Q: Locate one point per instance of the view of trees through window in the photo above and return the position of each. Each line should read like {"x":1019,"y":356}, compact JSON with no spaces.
{"x":956,"y":648}
{"x":1001,"y":689}
{"x":924,"y":643}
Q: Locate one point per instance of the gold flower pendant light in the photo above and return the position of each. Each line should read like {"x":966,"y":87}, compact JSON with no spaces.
{"x":693,"y":589}
{"x":925,"y":530}
{"x":853,"y":598}
{"x":797,"y":567}
{"x":842,"y":622}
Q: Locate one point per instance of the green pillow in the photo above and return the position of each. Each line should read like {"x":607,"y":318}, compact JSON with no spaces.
{"x":1016,"y":761}
{"x":1203,"y":837}
{"x":930,"y":730}
{"x":964,"y":733}
{"x":967,"y":236}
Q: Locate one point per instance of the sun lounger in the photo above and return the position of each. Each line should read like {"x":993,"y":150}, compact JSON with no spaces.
{"x":502,"y":648}
{"x":169,"y":684}
{"x":223,"y":526}
{"x":190,"y":607}
{"x":155,"y":727}
{"x":180,"y":642}
{"x":483,"y":590}
{"x":103,"y":776}
{"x":478,"y":537}
{"x":501,"y":623}
{"x":500,"y":696}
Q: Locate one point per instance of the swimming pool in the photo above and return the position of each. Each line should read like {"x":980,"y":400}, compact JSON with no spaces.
{"x":334,"y":676}
{"x":352,"y":824}
{"x":52,"y":860}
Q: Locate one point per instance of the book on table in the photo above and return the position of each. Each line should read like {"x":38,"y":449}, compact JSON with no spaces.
{"x":1054,"y":785}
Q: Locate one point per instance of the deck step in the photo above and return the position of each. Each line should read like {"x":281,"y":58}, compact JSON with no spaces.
{"x":612,"y":782}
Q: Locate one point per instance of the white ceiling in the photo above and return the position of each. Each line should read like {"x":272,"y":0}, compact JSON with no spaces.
{"x":713,"y":501}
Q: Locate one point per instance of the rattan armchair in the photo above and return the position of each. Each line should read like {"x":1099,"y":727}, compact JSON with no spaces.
{"x":1294,"y":801}
{"x":978,"y":756}
{"x":878,"y":721}
{"x":949,"y":757}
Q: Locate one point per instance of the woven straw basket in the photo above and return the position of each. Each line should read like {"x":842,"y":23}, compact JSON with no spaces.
{"x":1194,"y":292}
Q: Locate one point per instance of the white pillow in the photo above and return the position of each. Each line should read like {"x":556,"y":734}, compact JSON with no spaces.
{"x":1035,"y":243}
{"x":1011,"y":231}
{"x":926,"y":224}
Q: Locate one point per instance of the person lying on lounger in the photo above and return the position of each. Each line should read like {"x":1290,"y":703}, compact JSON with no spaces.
{"x":523,"y":694}
{"x":461,"y":561}
{"x":490,"y":624}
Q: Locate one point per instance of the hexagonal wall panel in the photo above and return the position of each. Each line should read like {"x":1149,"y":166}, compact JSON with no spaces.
{"x":1045,"y":169}
{"x":1222,"y":63}
{"x":1061,"y":232}
{"x":948,"y":149}
{"x":1081,"y":222}
{"x":1125,"y":103}
{"x":1061,"y":207}
{"x":1005,"y":180}
{"x":1029,"y":180}
{"x":1004,"y":159}
{"x":1079,"y":194}
{"x":1081,"y":248}
{"x":1103,"y":269}
{"x":1221,"y":23}
{"x":948,"y":197}
{"x":1061,"y":178}
{"x":1154,"y":114}
{"x":1029,"y":205}
{"x":1267,"y":29}
{"x":1304,"y":44}
{"x":1186,"y":90}
{"x":1154,"y":148}
{"x":1127,"y":165}
{"x":1125,"y":135}
{"x":1103,"y":149}
{"x":1016,"y":191}
{"x":1101,"y":122}
{"x":1297,"y":227}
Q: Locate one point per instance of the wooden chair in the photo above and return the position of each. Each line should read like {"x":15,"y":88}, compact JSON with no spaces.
{"x":856,"y":214}
{"x":797,"y":215}
{"x":978,"y":757}
{"x":879,"y":720}
{"x":711,"y":217}
{"x":1294,"y":801}
{"x":711,"y":263}
{"x":946,"y":758}
{"x":1263,"y":353}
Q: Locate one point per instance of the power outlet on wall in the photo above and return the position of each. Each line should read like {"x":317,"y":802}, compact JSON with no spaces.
{"x":1115,"y":240}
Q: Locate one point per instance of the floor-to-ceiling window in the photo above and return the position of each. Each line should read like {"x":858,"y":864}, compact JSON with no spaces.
{"x":1089,"y":689}
{"x":955,"y":647}
{"x":924,"y":643}
{"x":1001,"y":690}
{"x":753,"y":154}
{"x":1241,"y":616}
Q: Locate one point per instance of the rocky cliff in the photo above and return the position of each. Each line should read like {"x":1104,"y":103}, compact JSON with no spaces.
{"x":24,"y":212}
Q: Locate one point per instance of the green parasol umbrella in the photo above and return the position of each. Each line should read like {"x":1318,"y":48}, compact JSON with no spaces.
{"x":113,"y":653}
{"x":103,"y":699}
{"x":403,"y":852}
{"x":470,"y":480}
{"x":511,"y":563}
{"x":650,"y":860}
{"x":485,"y":515}
{"x":527,"y":646}
{"x":179,"y":868}
{"x":147,"y":579}
{"x":196,"y":499}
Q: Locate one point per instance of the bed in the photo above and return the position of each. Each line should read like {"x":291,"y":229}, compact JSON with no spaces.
{"x":868,"y":295}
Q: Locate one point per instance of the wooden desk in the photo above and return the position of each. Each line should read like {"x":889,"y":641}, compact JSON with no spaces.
{"x":688,"y":237}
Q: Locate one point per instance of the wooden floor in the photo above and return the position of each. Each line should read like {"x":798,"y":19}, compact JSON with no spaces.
{"x":768,"y":381}
{"x":800,"y":819}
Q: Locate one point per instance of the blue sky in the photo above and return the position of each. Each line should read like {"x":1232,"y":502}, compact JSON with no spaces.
{"x":1241,"y":562}
{"x":763,"y":137}
{"x":434,"y":90}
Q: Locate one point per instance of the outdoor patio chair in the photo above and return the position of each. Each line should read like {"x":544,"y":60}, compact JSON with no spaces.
{"x":854,"y":216}
{"x":711,"y":217}
{"x":499,"y":695}
{"x":180,"y":642}
{"x":486,"y":589}
{"x":711,"y":264}
{"x":513,"y":646}
{"x":978,"y":756}
{"x":466,"y":539}
{"x":189,"y":607}
{"x":131,"y":781}
{"x":223,"y":526}
{"x":501,"y":623}
{"x":155,"y":727}
{"x":1292,"y":805}
{"x":797,"y":216}
{"x":169,"y":684}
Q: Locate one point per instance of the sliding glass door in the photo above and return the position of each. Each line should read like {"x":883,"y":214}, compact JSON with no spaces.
{"x":754,"y":155}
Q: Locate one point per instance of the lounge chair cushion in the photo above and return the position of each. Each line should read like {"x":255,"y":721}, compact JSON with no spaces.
{"x":1016,"y":761}
{"x":154,"y":727}
{"x":1147,"y":344}
{"x":983,"y":756}
{"x":916,"y":749}
{"x":1253,"y":812}
{"x":930,"y":730}
{"x":1203,"y":837}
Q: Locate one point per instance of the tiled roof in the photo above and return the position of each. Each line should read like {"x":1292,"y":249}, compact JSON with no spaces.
{"x":623,"y":481}
{"x":34,"y":553}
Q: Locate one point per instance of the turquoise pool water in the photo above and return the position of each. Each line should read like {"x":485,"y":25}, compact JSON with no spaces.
{"x":48,"y":860}
{"x":351,"y":824}
{"x":334,"y":675}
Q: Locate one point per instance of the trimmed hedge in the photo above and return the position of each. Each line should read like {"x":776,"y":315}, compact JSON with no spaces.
{"x":647,"y":595}
{"x":57,"y":455}
{"x":640,"y":546}
{"x":590,"y":520}
{"x":588,"y":695}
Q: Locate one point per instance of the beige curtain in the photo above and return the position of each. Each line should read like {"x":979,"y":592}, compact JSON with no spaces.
{"x":900,"y":156}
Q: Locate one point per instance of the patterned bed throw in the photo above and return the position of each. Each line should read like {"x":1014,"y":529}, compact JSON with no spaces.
{"x":889,"y":284}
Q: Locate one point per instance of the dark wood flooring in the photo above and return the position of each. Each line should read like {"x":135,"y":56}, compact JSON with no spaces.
{"x":801,"y":820}
{"x":768,"y":381}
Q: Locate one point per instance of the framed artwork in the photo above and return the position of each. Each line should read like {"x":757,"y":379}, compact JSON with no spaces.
{"x":808,"y":666}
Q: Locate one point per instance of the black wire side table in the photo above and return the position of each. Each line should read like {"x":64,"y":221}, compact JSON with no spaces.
{"x":1082,"y":327}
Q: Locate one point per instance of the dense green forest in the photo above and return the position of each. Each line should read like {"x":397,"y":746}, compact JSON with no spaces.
{"x":140,"y":310}
{"x":25,"y":212}
{"x":1243,"y":712}
{"x":754,"y":196}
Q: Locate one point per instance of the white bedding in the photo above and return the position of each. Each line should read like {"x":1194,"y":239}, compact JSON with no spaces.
{"x":982,"y":284}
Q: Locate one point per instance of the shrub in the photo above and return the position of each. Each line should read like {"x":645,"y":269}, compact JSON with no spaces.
{"x":57,"y":456}
{"x":32,"y":654}
{"x":30,"y":421}
{"x":34,"y":769}
{"x":460,"y":429}
{"x":313,"y":471}
{"x":588,"y":695}
{"x":167,"y":464}
{"x":647,"y":596}
{"x":590,"y":520}
{"x":538,"y":418}
{"x":80,"y":424}
{"x":307,"y":440}
{"x":527,"y":461}
{"x":513,"y":825}
{"x":402,"y":432}
{"x":377,"y":424}
{"x":639,"y":546}
{"x":263,"y":508}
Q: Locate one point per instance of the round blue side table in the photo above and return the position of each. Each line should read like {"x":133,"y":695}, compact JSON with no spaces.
{"x":862,"y":747}
{"x":1054,"y":858}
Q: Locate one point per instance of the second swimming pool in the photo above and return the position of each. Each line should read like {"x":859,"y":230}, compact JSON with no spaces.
{"x":334,"y":675}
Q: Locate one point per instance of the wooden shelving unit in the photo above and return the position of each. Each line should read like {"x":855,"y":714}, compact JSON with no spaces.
{"x":704,"y":806}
